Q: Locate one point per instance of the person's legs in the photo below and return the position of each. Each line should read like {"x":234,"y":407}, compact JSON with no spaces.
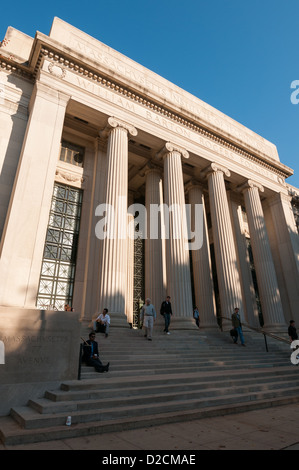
{"x":99,"y":367}
{"x":167,"y":321}
{"x":145,"y":325}
{"x":240,"y":333}
{"x":150,"y":324}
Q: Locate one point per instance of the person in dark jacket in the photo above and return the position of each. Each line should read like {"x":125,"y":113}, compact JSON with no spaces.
{"x":166,"y":311}
{"x":292,"y":332}
{"x":91,"y":354}
{"x":236,"y":322}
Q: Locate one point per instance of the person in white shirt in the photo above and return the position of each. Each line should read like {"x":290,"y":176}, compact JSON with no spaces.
{"x":102,"y":323}
{"x":148,"y":316}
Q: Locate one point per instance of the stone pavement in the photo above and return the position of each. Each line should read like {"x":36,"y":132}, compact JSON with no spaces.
{"x":275,"y":428}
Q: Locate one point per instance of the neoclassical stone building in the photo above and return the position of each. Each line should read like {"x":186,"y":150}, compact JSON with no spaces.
{"x":81,"y":125}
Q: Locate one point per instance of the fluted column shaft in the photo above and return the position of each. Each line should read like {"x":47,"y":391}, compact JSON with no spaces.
{"x":225,"y":251}
{"x":177,"y":253}
{"x":113,"y":283}
{"x":202,"y":267}
{"x":263,"y":261}
{"x":154,"y":279}
{"x":130,"y":267}
{"x":287,"y":246}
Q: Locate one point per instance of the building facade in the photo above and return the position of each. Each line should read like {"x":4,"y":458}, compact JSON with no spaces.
{"x":84,"y":128}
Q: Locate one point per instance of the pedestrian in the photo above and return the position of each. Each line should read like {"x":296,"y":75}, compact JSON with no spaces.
{"x":292,"y":332}
{"x":236,"y":322}
{"x":148,"y":317}
{"x":102,"y":323}
{"x":166,"y":311}
{"x":196,"y":316}
{"x":91,"y":354}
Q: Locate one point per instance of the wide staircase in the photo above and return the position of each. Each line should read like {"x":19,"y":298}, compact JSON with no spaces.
{"x":178,"y":377}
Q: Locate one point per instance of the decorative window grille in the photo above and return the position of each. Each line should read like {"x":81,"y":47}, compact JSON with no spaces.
{"x":138,"y":299}
{"x":254,"y":280}
{"x":59,"y":260}
{"x":70,"y":153}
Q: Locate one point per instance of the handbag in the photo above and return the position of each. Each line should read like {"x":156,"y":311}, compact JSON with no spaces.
{"x":233,"y":332}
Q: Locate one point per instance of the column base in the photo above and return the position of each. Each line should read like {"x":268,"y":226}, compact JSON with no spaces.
{"x":182,"y":323}
{"x":275,"y":329}
{"x":117,"y":320}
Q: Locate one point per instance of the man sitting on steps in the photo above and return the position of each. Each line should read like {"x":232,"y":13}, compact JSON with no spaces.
{"x":91,"y":354}
{"x":102,"y":323}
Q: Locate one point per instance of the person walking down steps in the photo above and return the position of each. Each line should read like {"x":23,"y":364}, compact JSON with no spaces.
{"x":236,"y":322}
{"x":148,"y":316}
{"x":166,"y":311}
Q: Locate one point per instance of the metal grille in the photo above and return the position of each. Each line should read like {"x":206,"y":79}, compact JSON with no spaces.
{"x":254,"y":280}
{"x":70,"y":153}
{"x":138,"y":299}
{"x":59,"y":260}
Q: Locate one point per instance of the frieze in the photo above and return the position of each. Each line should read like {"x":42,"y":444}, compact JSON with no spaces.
{"x":201,"y":110}
{"x":106,"y":89}
{"x":70,"y":178}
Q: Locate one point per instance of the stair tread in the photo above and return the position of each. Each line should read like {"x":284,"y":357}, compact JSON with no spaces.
{"x":33,"y":415}
{"x":184,"y":375}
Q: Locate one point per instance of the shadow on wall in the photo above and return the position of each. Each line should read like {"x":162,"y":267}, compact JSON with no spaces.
{"x":17,"y":123}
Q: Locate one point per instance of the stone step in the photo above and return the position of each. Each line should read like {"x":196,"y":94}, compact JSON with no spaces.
{"x":119,"y":371}
{"x":31,"y":419}
{"x":44,"y":406}
{"x":106,"y":381}
{"x":12,"y":434}
{"x":185,"y":375}
{"x":174,"y":361}
{"x":161,"y":387}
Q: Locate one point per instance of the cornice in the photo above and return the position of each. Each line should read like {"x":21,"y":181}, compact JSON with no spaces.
{"x":66,"y":61}
{"x":8,"y":64}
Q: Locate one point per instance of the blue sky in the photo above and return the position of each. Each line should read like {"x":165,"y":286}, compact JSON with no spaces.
{"x":239,"y":56}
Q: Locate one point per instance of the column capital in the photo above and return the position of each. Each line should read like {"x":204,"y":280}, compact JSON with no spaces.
{"x":113,"y":123}
{"x":215,"y":168}
{"x":170,"y":147}
{"x":249,"y":184}
{"x":191,"y":185}
{"x":149,"y":168}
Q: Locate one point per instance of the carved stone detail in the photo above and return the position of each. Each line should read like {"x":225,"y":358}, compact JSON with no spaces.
{"x":215,"y":168}
{"x":56,"y":70}
{"x":171,"y":147}
{"x":114,"y":122}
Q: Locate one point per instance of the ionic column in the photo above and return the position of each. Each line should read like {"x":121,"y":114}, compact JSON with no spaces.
{"x":130,"y":268}
{"x":224,"y":245}
{"x":154,"y":270}
{"x":177,"y":250}
{"x":201,"y":262}
{"x":263,"y":261}
{"x":287,"y":247}
{"x":113,"y":280}
{"x":23,"y":237}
